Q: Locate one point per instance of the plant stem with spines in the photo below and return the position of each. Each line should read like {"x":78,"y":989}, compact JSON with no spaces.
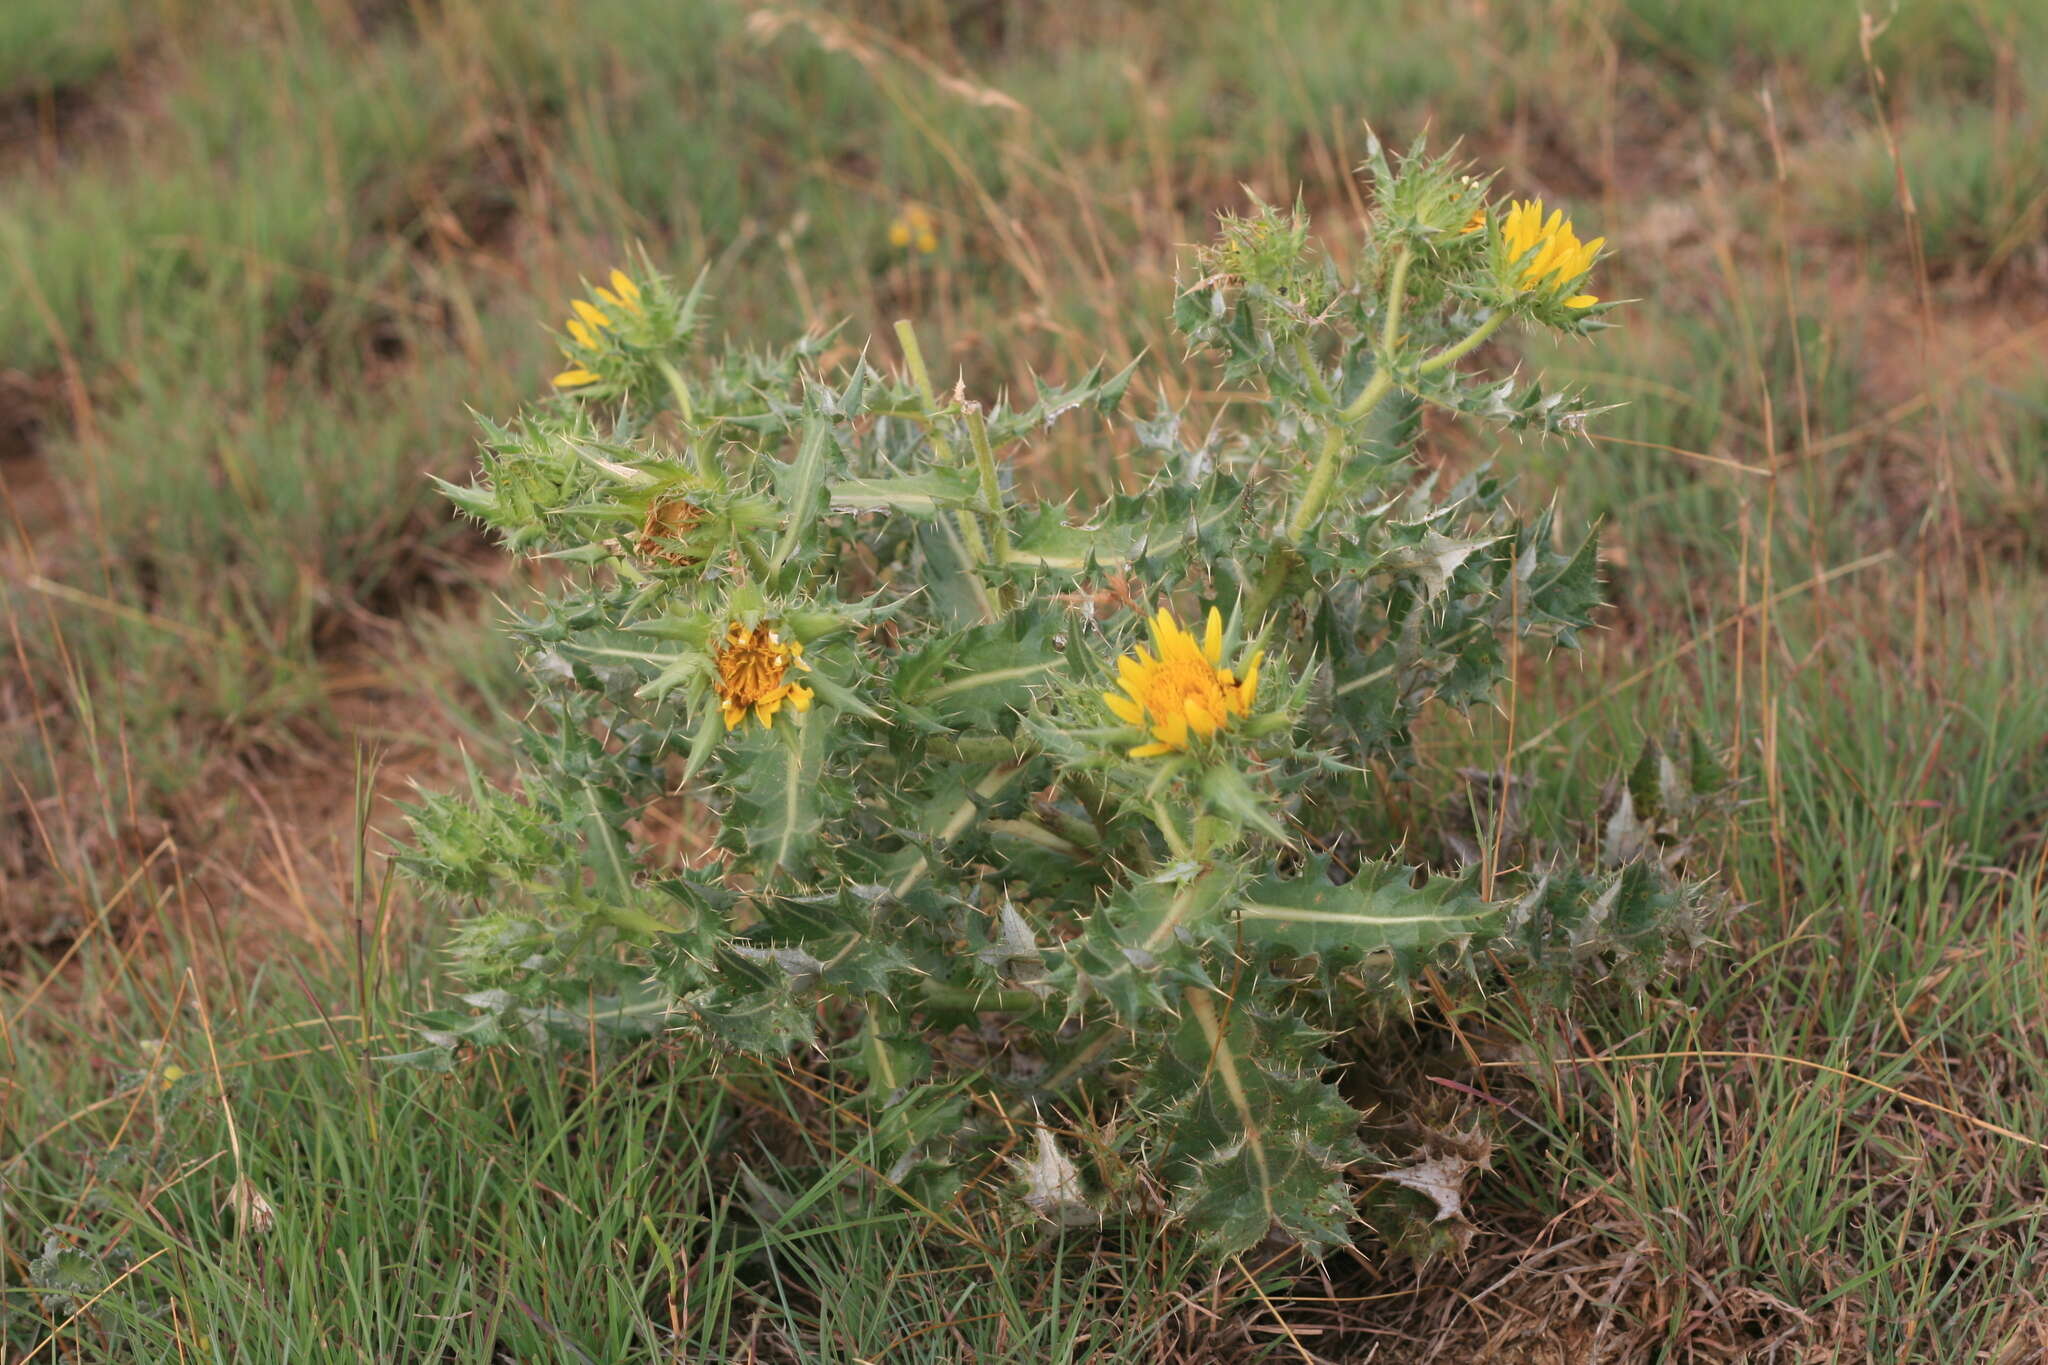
{"x":1322,"y":479}
{"x":969,"y":531}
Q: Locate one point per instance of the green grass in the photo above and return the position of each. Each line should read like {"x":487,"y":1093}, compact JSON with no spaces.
{"x":51,"y":45}
{"x":268,"y":257}
{"x":1980,"y":187}
{"x":1898,"y":939}
{"x":653,"y":1204}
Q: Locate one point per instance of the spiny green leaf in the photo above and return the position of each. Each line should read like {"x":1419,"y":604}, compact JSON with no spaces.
{"x":1379,"y":909}
{"x":1255,"y":1140}
{"x":776,"y":779}
{"x":979,"y":679}
{"x":919,"y":495}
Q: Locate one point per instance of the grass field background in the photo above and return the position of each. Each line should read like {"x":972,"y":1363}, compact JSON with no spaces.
{"x":258,"y":260}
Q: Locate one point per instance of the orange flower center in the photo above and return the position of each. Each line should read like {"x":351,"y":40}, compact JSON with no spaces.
{"x":753,"y":675}
{"x":1175,"y":686}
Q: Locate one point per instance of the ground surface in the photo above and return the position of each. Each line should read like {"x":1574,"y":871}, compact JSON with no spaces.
{"x":258,"y":258}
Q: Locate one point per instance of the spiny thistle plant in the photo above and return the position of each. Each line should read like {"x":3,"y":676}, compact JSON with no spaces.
{"x":1062,"y":831}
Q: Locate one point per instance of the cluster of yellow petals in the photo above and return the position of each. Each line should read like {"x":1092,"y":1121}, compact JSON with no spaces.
{"x":1560,"y":257}
{"x":590,"y":319}
{"x":916,"y":227}
{"x":754,"y":668}
{"x":1184,"y":694}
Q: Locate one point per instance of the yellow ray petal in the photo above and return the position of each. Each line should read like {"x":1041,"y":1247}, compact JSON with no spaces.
{"x":569,"y":379}
{"x":1582,"y":301}
{"x":1152,"y":750}
{"x":628,"y":290}
{"x":1127,"y":711}
{"x":590,"y":314}
{"x":1249,"y":688}
{"x":1212,"y":638}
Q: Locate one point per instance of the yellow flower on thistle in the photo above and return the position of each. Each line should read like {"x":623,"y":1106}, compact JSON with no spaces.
{"x":915,"y":226}
{"x":1183,"y":694}
{"x":587,"y":328}
{"x":754,"y":668}
{"x":624,"y":295}
{"x":1560,"y":257}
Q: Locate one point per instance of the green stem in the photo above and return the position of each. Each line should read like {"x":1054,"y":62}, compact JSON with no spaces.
{"x":1458,"y":350}
{"x":1304,"y":357}
{"x":1171,"y":833}
{"x":962,"y":816}
{"x":913,"y":356}
{"x":991,"y":486}
{"x":942,"y":449}
{"x":966,"y":998}
{"x":1270,"y":582}
{"x":1322,"y":479}
{"x":1397,"y":296}
{"x":964,"y":531}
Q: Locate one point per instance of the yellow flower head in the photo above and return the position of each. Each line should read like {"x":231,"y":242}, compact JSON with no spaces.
{"x":1559,"y":259}
{"x":1184,"y":694}
{"x":754,"y":668}
{"x":588,"y":327}
{"x":915,"y":226}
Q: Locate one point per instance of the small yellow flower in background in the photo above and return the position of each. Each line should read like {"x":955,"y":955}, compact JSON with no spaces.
{"x":1184,"y":695}
{"x":1560,"y":257}
{"x":1476,"y":223}
{"x":753,"y":675}
{"x":915,"y":226}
